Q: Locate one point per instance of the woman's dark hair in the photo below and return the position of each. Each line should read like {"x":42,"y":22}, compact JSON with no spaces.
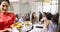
{"x":40,"y":16}
{"x":4,"y":0}
{"x":56,"y":18}
{"x":45,"y":13}
{"x":33,"y":15}
{"x":48,"y":15}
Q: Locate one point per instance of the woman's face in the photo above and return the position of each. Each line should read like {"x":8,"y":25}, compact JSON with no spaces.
{"x":34,"y":15}
{"x":43,"y":15}
{"x":4,"y":6}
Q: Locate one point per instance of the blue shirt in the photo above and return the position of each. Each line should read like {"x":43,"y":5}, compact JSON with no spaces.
{"x":21,"y":19}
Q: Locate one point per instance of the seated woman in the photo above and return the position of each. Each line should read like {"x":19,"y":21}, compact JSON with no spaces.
{"x":43,"y":17}
{"x":6,"y":18}
{"x":33,"y":18}
{"x":49,"y":23}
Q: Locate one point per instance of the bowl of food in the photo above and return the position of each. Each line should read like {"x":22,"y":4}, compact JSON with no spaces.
{"x":17,"y":25}
{"x":26,"y":23}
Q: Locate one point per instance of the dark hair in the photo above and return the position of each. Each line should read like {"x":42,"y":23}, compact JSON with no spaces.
{"x":4,"y":0}
{"x":45,"y":13}
{"x":56,"y":18}
{"x":48,"y":15}
{"x":32,"y":15}
{"x":40,"y":16}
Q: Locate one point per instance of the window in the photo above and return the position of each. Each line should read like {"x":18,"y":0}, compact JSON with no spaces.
{"x":51,"y":6}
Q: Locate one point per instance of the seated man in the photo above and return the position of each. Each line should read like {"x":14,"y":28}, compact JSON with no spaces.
{"x":22,"y":19}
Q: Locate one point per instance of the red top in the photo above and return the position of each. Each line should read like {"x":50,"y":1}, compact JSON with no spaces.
{"x":6,"y":19}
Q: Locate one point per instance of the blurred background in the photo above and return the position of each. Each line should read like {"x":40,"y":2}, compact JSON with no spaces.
{"x":28,"y":6}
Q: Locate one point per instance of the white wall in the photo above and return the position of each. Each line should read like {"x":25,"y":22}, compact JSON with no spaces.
{"x":34,"y":8}
{"x":14,"y":0}
{"x":40,"y":7}
{"x":20,"y":7}
{"x":59,"y":9}
{"x":24,"y":8}
{"x":16,"y":7}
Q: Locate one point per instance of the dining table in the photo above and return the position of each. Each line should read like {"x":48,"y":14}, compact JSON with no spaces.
{"x":31,"y":28}
{"x":23,"y":29}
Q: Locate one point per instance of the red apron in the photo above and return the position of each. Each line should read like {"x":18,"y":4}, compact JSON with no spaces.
{"x":6,"y":19}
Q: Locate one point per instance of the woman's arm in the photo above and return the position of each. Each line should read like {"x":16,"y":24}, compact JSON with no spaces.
{"x":47,"y":24}
{"x":30,"y":18}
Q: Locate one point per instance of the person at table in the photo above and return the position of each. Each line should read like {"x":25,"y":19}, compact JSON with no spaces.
{"x":43,"y":17}
{"x":54,"y":21}
{"x":6,"y":17}
{"x":48,"y":23}
{"x":33,"y":18}
{"x":22,"y":18}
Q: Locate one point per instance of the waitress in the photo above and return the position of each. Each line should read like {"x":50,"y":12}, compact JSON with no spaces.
{"x":6,"y":18}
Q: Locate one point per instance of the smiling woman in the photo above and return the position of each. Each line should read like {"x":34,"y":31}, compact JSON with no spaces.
{"x":6,"y":18}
